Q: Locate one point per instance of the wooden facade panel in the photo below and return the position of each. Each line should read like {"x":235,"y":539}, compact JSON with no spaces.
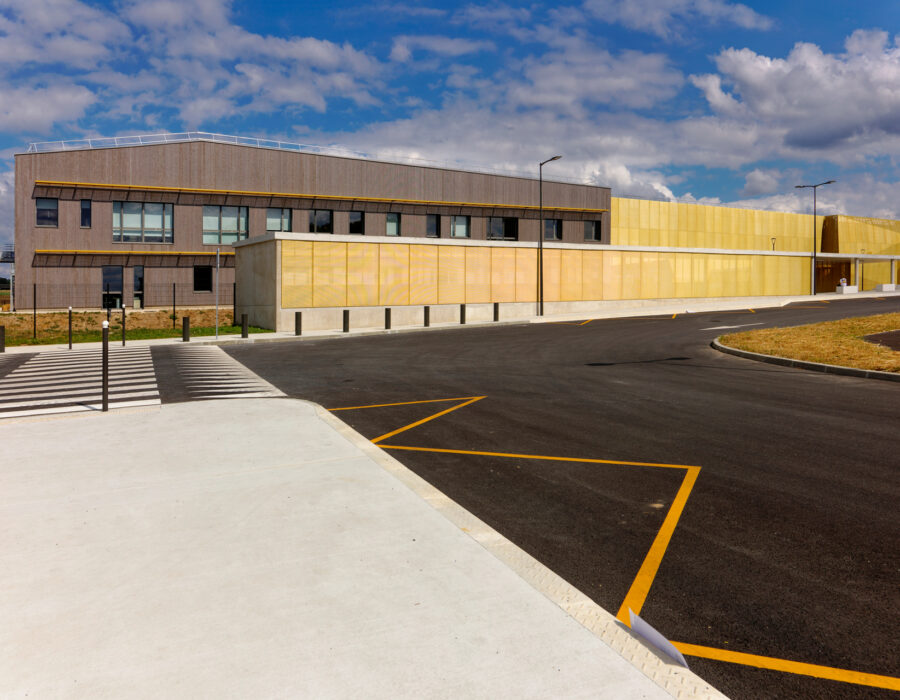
{"x":423,"y":274}
{"x":296,"y":274}
{"x":526,"y":274}
{"x":393,"y":279}
{"x":329,"y":274}
{"x":503,"y":274}
{"x":592,"y":274}
{"x":570,"y":286}
{"x":363,"y":274}
{"x":451,"y":275}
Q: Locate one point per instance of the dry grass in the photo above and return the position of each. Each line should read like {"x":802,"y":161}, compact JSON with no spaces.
{"x":832,"y":342}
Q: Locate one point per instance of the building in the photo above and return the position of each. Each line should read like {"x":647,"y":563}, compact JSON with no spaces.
{"x":137,"y":221}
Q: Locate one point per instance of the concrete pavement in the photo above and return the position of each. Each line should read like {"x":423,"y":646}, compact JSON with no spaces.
{"x":261,"y":548}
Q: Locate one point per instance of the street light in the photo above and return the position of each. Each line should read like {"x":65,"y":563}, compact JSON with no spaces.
{"x":814,"y":188}
{"x":541,"y":233}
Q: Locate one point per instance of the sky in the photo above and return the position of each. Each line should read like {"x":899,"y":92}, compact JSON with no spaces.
{"x":707,"y":101}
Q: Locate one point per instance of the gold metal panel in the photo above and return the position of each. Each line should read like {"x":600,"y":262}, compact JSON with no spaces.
{"x":551,"y":274}
{"x":571,"y":280}
{"x":592,"y":274}
{"x":362,"y":274}
{"x":296,"y":274}
{"x":698,"y":275}
{"x":478,"y":275}
{"x":649,"y":275}
{"x":503,"y":274}
{"x":451,"y":275}
{"x":393,"y":274}
{"x":683,"y":275}
{"x":526,"y":274}
{"x":329,"y":274}
{"x":423,"y":274}
{"x":715,"y":286}
{"x":612,"y":274}
{"x":666,"y":275}
{"x":631,"y":275}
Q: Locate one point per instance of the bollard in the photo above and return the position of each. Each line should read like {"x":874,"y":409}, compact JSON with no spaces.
{"x":34,"y":310}
{"x":346,"y":320}
{"x":105,"y":399}
{"x":70,"y":328}
{"x":2,"y":338}
{"x":427,"y":316}
{"x":234,"y":300}
{"x":298,"y":323}
{"x":496,"y":311}
{"x":462,"y":314}
{"x":123,"y":325}
{"x":245,"y":326}
{"x":173,"y":305}
{"x":185,"y":329}
{"x":387,"y":319}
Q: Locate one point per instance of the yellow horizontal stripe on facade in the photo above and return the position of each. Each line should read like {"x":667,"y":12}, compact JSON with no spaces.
{"x":342,"y":198}
{"x":129,"y":252}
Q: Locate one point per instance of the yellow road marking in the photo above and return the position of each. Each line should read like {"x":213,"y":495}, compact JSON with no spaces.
{"x":674,"y":315}
{"x":548,"y":458}
{"x":586,"y":322}
{"x":400,"y":403}
{"x":751,"y":311}
{"x":798,"y":667}
{"x":640,"y":587}
{"x":425,"y":420}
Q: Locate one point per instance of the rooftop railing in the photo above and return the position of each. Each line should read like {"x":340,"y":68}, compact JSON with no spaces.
{"x":340,"y":151}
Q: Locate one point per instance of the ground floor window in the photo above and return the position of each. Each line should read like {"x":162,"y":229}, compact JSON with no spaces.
{"x":552,"y":229}
{"x":203,"y":278}
{"x":320,"y":221}
{"x":433,"y":225}
{"x":224,"y":225}
{"x":357,"y":222}
{"x":392,"y":224}
{"x":503,"y":228}
{"x":460,"y":227}
{"x":112,"y":286}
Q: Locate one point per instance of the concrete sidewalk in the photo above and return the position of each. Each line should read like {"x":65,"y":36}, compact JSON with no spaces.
{"x":261,"y":548}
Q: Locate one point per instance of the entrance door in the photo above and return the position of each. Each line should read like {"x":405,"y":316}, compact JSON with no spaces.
{"x":112,"y":287}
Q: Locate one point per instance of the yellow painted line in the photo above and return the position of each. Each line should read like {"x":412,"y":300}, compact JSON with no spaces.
{"x":131,"y":252}
{"x":751,"y":311}
{"x":586,"y":322}
{"x":640,"y":587}
{"x":542,"y":457}
{"x":798,"y":667}
{"x":343,"y":198}
{"x":674,"y":315}
{"x":400,"y":403}
{"x":425,"y":420}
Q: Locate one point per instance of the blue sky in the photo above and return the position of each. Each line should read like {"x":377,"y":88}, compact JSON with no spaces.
{"x":691,"y":100}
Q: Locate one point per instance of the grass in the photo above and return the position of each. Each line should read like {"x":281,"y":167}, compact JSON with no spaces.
{"x":832,"y":342}
{"x":115,"y":334}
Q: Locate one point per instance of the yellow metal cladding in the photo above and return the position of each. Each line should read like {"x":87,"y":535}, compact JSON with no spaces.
{"x":857,"y":234}
{"x":333,"y":273}
{"x":640,"y":222}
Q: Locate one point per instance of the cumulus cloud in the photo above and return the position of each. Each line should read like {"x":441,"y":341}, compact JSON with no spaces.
{"x":759,"y":182}
{"x":669,"y":18}
{"x":37,"y":109}
{"x":7,"y":190}
{"x":441,"y":45}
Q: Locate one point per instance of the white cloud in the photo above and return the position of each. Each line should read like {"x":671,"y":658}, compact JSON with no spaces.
{"x":759,"y":182}
{"x":7,"y":191}
{"x":669,"y":18}
{"x":37,"y":109}
{"x":404,"y":46}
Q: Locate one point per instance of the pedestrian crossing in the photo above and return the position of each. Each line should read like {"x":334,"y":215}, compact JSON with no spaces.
{"x":71,"y":380}
{"x":207,"y":372}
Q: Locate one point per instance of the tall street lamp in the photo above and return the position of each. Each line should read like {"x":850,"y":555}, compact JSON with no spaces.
{"x":541,"y":233}
{"x":814,"y":188}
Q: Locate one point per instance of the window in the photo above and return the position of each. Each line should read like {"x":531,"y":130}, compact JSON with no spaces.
{"x":433,"y":225}
{"x":357,"y":222}
{"x":320,"y":221}
{"x":392,"y":225}
{"x":278,"y":220}
{"x":460,"y":227}
{"x":552,"y":229}
{"x":85,"y":213}
{"x":141,"y":222}
{"x":503,"y":228}
{"x":592,"y":230}
{"x":47,"y":212}
{"x":112,"y":287}
{"x":203,"y":278}
{"x":224,"y":225}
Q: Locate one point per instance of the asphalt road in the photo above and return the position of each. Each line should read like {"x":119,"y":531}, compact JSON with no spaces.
{"x":787,"y":546}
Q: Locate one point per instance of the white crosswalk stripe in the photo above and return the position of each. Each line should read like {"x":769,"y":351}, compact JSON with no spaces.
{"x":70,"y":381}
{"x":207,"y":372}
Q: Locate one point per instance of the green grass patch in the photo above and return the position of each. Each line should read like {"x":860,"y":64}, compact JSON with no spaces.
{"x":57,"y":337}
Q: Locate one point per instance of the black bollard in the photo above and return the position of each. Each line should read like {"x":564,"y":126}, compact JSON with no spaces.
{"x":462,"y":314}
{"x":70,"y":328}
{"x":346,"y":320}
{"x":496,"y":311}
{"x":427,"y":310}
{"x":2,"y":338}
{"x":123,"y":325}
{"x":298,"y":323}
{"x":105,"y":399}
{"x":387,"y":319}
{"x":245,"y":326}
{"x":185,"y":329}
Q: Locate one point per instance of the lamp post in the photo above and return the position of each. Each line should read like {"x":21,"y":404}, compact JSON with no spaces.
{"x":541,"y":233}
{"x":814,"y":188}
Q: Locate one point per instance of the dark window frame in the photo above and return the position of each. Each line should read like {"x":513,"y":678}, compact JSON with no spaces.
{"x":596,"y":228}
{"x":555,"y":230}
{"x":283,"y":213}
{"x":436,"y":219}
{"x":51,"y":221}
{"x":86,"y":210}
{"x":399,"y":221}
{"x":360,"y":223}
{"x":508,"y":228}
{"x":167,"y":234}
{"x":242,"y":234}
{"x":207,"y":271}
{"x":314,"y":221}
{"x":468,"y":222}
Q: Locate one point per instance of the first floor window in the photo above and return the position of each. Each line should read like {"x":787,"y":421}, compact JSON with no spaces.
{"x":278,"y":219}
{"x":503,"y":228}
{"x":552,"y":229}
{"x":392,"y":224}
{"x":320,"y":221}
{"x":592,"y":230}
{"x":224,"y":225}
{"x":142,"y":222}
{"x":47,"y":212}
{"x":357,"y":222}
{"x":112,"y":287}
{"x":460,"y":226}
{"x":203,"y":278}
{"x":433,"y":225}
{"x":85,"y":213}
